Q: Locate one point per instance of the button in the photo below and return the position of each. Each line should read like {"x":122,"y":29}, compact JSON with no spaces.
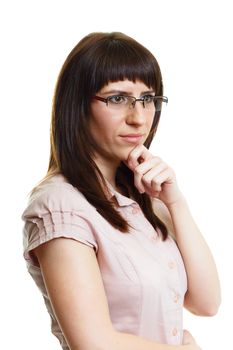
{"x":135,"y":205}
{"x":135,"y":211}
{"x":136,"y":208}
{"x":171,"y":265}
{"x":174,"y":332}
{"x":176,"y":297}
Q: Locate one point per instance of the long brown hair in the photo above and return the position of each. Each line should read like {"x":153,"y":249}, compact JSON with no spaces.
{"x":99,"y":58}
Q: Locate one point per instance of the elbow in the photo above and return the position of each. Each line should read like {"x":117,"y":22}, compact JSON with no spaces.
{"x":205,"y":311}
{"x":208,"y":308}
{"x":211,"y":309}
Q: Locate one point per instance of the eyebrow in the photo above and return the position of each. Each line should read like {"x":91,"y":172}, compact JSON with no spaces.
{"x":121,"y":92}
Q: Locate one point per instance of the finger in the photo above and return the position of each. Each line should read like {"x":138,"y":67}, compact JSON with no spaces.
{"x":138,"y":182}
{"x":153,"y":173}
{"x":155,"y":180}
{"x":150,"y":185}
{"x":137,"y":156}
{"x":151,"y":192}
{"x":188,"y":338}
{"x":144,"y":172}
{"x":154,"y":187}
{"x":148,"y":164}
{"x":165,"y":176}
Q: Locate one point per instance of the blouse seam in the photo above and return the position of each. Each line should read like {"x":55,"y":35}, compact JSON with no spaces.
{"x":141,"y":298}
{"x":43,"y":238}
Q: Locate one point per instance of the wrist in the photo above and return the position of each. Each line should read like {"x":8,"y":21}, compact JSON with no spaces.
{"x":179,"y":203}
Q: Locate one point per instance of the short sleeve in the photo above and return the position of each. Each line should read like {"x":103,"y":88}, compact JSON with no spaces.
{"x":57,"y":211}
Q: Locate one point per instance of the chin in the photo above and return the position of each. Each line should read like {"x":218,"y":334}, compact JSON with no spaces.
{"x":125,"y":155}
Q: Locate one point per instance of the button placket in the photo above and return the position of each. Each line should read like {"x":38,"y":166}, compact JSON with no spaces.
{"x":176,"y":297}
{"x":175,"y":332}
{"x":173,"y":272}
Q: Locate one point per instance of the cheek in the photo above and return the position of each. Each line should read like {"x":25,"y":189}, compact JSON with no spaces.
{"x":103,"y":130}
{"x":101,"y":119}
{"x":107,"y":126}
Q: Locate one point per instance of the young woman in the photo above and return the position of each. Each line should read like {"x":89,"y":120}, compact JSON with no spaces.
{"x":108,"y":235}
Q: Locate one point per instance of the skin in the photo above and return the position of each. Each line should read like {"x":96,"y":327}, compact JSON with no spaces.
{"x":62,"y":260}
{"x":108,"y":127}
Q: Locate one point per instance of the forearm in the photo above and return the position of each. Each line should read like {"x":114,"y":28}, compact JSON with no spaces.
{"x":125,"y":341}
{"x":203,"y":296}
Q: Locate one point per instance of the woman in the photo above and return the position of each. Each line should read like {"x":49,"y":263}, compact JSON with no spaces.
{"x":108,"y":235}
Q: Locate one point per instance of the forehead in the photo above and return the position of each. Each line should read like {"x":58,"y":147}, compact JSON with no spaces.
{"x":125,"y":86}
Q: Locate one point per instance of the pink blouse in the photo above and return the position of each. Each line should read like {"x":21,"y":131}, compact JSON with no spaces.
{"x":144,"y":277}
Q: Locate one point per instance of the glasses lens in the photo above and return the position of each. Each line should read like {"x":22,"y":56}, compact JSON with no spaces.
{"x":158,"y":103}
{"x":149,"y":102}
{"x":117,"y":102}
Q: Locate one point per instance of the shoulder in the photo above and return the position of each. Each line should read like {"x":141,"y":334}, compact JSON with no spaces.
{"x":56,"y":194}
{"x":57,"y":209}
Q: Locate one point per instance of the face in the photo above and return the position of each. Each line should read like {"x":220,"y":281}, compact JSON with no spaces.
{"x":118,"y":131}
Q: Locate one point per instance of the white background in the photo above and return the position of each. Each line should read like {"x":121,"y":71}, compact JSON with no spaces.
{"x":192,"y":41}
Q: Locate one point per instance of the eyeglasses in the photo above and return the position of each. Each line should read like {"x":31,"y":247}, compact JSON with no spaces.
{"x":123,"y":102}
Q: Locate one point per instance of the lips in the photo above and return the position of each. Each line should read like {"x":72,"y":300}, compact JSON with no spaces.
{"x":132,"y":138}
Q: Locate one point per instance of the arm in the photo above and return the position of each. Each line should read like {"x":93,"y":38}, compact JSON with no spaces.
{"x":73,"y":281}
{"x":157,"y":179}
{"x":203,"y":295}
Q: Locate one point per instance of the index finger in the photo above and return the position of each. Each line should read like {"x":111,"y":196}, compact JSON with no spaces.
{"x":137,"y":156}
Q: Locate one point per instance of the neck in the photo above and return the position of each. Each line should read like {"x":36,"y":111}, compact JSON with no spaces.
{"x":108,"y":170}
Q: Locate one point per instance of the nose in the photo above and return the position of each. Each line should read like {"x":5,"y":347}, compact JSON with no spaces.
{"x":136,"y":114}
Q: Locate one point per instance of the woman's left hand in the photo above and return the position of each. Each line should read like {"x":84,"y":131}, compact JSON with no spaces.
{"x":153,"y":176}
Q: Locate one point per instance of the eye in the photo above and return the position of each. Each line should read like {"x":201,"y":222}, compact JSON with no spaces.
{"x":117,"y":99}
{"x":148,"y":99}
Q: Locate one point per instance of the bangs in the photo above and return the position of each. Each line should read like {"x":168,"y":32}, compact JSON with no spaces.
{"x":120,"y":59}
